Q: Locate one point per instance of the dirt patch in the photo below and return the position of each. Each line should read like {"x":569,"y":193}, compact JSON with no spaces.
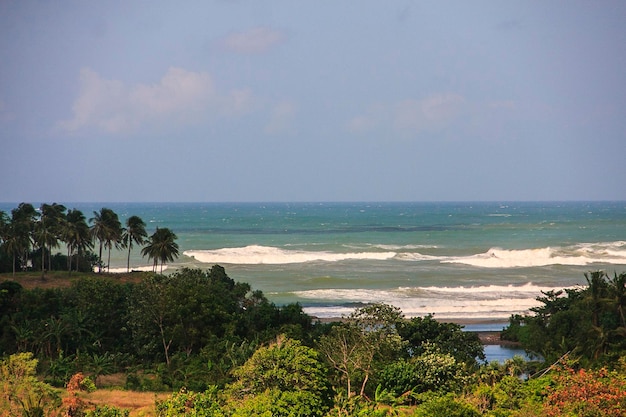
{"x":62,"y":279}
{"x":139,"y":403}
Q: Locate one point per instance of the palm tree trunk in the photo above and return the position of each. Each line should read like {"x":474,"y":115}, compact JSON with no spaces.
{"x":69,"y":260}
{"x":100,"y":256}
{"x":128,"y":259}
{"x":43,"y":269}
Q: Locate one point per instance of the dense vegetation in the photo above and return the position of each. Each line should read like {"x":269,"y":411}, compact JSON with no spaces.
{"x":587,"y":322}
{"x":225,"y":350}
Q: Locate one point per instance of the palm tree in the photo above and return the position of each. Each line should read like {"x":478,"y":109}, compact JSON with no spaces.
{"x":107,"y":229}
{"x":48,"y":231}
{"x":135,"y":232}
{"x":14,"y":242}
{"x":4,"y":227}
{"x":22,"y":227}
{"x":4,"y":222}
{"x":76,"y":235}
{"x":161,"y":247}
{"x":618,"y":288}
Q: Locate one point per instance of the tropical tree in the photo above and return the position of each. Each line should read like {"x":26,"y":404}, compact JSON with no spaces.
{"x":107,"y":229}
{"x":76,"y":235}
{"x":162,"y":247}
{"x":12,"y":242}
{"x":359,"y":346}
{"x":18,"y":233}
{"x":4,"y":222}
{"x":282,"y":379}
{"x":48,"y":231}
{"x":134,"y":232}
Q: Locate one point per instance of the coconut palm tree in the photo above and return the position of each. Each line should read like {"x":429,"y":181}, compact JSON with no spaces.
{"x":76,"y":235}
{"x":14,"y":242}
{"x":20,"y":232}
{"x":134,"y":232}
{"x":48,"y":231}
{"x":161,"y":247}
{"x":107,"y":229}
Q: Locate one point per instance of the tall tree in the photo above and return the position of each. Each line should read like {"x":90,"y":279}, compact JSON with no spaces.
{"x":134,"y":232}
{"x":76,"y":235}
{"x":22,"y":227}
{"x":162,"y":247}
{"x":107,"y":229}
{"x":48,"y":231}
{"x":13,"y":242}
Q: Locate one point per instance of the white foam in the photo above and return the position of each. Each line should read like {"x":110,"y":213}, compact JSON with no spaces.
{"x":148,"y":268}
{"x":256,"y":254}
{"x":575,"y":255}
{"x":493,"y":301}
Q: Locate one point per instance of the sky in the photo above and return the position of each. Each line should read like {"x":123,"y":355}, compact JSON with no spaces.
{"x":228,"y":101}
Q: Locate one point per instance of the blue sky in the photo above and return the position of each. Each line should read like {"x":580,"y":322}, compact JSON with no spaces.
{"x":312,"y":100}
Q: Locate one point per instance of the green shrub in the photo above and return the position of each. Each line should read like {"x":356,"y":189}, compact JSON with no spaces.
{"x":106,"y":411}
{"x":446,"y":405}
{"x":190,"y":404}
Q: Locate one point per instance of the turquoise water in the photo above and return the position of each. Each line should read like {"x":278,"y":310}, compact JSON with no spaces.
{"x":456,"y":260}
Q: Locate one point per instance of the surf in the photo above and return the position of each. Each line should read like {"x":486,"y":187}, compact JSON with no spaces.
{"x":267,"y":255}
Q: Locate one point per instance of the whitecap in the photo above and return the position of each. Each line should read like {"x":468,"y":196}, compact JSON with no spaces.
{"x":256,"y":255}
{"x":490,"y":301}
{"x":575,"y":255}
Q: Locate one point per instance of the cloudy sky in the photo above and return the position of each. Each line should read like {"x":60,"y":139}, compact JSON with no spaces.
{"x":312,"y":100}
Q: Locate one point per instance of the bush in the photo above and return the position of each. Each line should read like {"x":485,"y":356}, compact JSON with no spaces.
{"x":447,"y":405}
{"x":190,"y":404}
{"x":106,"y":411}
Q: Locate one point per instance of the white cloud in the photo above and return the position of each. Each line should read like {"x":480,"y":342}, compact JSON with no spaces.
{"x":281,"y":117}
{"x":430,"y":114}
{"x":254,"y":41}
{"x":180,"y":97}
{"x":411,"y":116}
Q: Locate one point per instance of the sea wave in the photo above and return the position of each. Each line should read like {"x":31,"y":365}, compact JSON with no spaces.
{"x":490,"y":301}
{"x":576,"y":255}
{"x":256,"y":254}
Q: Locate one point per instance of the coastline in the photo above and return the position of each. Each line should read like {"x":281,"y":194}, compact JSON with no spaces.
{"x":484,"y":328}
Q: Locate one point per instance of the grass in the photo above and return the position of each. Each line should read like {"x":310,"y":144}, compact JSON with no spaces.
{"x":62,"y":279}
{"x":140,"y":404}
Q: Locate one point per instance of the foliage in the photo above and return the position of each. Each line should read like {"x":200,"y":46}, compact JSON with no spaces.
{"x":284,"y":378}
{"x":192,"y":404}
{"x":449,"y":338}
{"x":586,"y":392}
{"x":106,"y":411}
{"x":588,"y":321}
{"x":432,"y":370}
{"x":445,"y":405}
{"x":359,"y":347}
{"x":21,"y":392}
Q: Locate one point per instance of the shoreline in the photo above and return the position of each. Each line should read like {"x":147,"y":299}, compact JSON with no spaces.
{"x":487,"y":337}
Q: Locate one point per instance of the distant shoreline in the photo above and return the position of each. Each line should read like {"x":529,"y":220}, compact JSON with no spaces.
{"x":487,"y":337}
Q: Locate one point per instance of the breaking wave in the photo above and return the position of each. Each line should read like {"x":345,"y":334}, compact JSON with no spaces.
{"x":575,"y":255}
{"x":493,"y":301}
{"x":255,"y":255}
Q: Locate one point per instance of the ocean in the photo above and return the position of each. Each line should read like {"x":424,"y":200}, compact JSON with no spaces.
{"x":463,"y":261}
